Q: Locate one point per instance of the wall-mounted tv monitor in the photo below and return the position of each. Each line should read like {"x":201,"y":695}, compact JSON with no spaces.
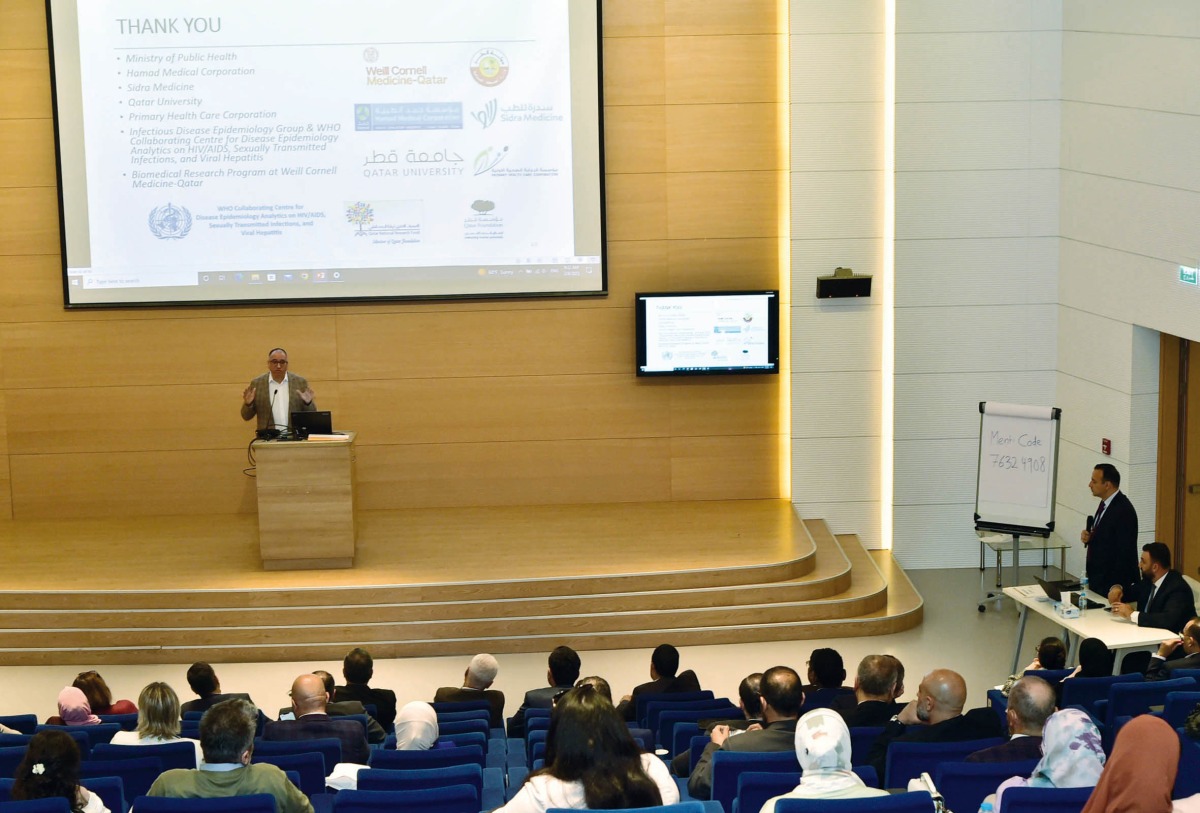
{"x":302,"y":150}
{"x":707,"y":333}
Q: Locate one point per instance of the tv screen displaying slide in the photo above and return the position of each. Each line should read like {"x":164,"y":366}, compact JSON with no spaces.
{"x":707,"y":332}
{"x":299,"y":150}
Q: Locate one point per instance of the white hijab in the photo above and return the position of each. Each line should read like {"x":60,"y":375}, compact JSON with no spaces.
{"x":823,"y":750}
{"x":416,"y":727}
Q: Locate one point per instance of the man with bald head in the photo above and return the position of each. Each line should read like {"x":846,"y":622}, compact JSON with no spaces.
{"x":935,"y":716}
{"x":1031,"y":701}
{"x":309,"y":700}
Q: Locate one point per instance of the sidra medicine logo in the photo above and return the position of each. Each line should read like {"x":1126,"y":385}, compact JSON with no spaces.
{"x":170,"y":222}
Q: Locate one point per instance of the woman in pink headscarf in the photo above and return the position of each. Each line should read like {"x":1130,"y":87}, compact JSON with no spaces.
{"x":73,"y":709}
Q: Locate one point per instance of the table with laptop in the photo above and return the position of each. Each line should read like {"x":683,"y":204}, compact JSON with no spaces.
{"x":1095,"y":620}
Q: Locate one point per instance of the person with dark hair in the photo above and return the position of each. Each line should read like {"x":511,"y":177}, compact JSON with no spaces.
{"x":1163,"y":597}
{"x":345,"y":708}
{"x":826,"y":674}
{"x":1051,"y":653}
{"x":664,"y":663}
{"x":561,"y":674}
{"x":782,"y":695}
{"x":227,"y":738}
{"x":1030,"y":703}
{"x":1160,"y":668}
{"x":592,"y":762}
{"x":100,"y":696}
{"x":874,"y":691}
{"x":276,"y":394}
{"x":158,"y":720}
{"x":312,"y":722}
{"x":749,"y":701}
{"x":203,"y":681}
{"x":477,"y":685}
{"x":50,"y":770}
{"x":599,"y":684}
{"x":358,"y":668}
{"x":1111,"y":539}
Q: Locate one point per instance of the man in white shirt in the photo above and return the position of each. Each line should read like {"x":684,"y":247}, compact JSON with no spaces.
{"x":276,"y":394}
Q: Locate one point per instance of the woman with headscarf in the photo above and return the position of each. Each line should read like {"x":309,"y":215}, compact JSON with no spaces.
{"x":1140,"y":774}
{"x":416,"y":727}
{"x":823,"y":749}
{"x":1072,"y":756}
{"x":73,"y":709}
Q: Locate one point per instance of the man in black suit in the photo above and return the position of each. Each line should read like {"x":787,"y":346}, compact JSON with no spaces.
{"x":875,"y":692}
{"x":345,"y":708}
{"x":1030,"y":701}
{"x":782,"y":696}
{"x":309,"y":700}
{"x":935,"y":716}
{"x":561,"y":674}
{"x":1161,"y":668}
{"x":477,"y":685}
{"x":1164,"y":598}
{"x":358,"y":668}
{"x":204,"y":682}
{"x":664,"y":663}
{"x":1111,"y":541}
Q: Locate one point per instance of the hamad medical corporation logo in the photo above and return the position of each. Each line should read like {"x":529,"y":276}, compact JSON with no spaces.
{"x":170,"y":222}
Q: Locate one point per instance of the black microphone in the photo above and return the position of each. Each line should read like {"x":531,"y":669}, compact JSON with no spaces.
{"x":1091,"y":523}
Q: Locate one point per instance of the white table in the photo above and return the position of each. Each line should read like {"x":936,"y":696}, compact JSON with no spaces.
{"x":1121,"y":636}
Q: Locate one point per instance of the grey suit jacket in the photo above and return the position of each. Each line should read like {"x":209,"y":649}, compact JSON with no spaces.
{"x":262,"y":399}
{"x":777,"y":736}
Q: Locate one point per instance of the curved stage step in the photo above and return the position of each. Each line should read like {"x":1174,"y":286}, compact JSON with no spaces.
{"x":785,"y":579}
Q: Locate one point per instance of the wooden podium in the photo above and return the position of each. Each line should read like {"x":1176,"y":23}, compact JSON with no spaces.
{"x":306,"y":503}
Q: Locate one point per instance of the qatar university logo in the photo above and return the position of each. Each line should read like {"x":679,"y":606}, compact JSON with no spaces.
{"x":170,"y":222}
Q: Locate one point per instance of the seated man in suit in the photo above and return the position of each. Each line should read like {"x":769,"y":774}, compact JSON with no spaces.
{"x":1163,"y":598}
{"x":227,"y":739}
{"x":561,"y":674}
{"x":782,"y":696}
{"x":874,"y":692}
{"x":664,"y":663}
{"x":1031,"y":701}
{"x":1162,"y":667}
{"x":477,"y":685}
{"x":935,"y":716}
{"x":309,"y":700}
{"x":826,"y":676}
{"x":375,"y":732}
{"x":203,"y":680}
{"x":358,"y":668}
{"x":749,"y":701}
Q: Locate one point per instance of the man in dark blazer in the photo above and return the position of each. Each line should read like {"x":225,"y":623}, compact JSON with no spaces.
{"x":1163,"y":598}
{"x":782,"y":696}
{"x":664,"y":663}
{"x":203,"y":681}
{"x":1112,"y":540}
{"x":358,"y":668}
{"x":477,"y":685}
{"x":874,"y":693}
{"x":561,"y":674}
{"x":1161,"y":668}
{"x":935,"y":716}
{"x":276,"y":386}
{"x":309,"y":699}
{"x":346,"y":708}
{"x":1030,"y":702}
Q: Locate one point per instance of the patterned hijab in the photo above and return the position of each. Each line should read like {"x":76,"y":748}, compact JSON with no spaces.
{"x":74,"y":709}
{"x":823,"y":750}
{"x":1071,"y":752}
{"x":416,"y":727}
{"x":1140,"y":774}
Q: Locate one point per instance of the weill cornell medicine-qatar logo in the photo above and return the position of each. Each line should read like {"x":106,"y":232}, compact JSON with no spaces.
{"x":489,"y":67}
{"x":170,"y":222}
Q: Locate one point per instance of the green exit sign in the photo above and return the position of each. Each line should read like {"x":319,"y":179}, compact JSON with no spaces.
{"x":1189,"y":276}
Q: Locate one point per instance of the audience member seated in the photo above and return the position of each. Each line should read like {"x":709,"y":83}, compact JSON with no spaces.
{"x":1051,"y":654}
{"x":1140,"y":772}
{"x":781,"y":698}
{"x":592,"y":762}
{"x":100,"y":696}
{"x":1071,"y":755}
{"x":158,"y":720}
{"x":935,"y":716}
{"x":823,"y":749}
{"x":358,"y":668}
{"x":227,"y":739}
{"x":664,"y":663}
{"x":203,"y":681}
{"x":1163,"y":598}
{"x":50,"y":769}
{"x":309,"y":699}
{"x":875,"y":692}
{"x":1166,"y":660}
{"x":826,"y":674}
{"x":561,"y":674}
{"x":749,"y":701}
{"x":73,"y":709}
{"x":416,"y":727}
{"x":477,"y":685}
{"x":375,"y":732}
{"x":596,"y":682}
{"x":1030,"y":704}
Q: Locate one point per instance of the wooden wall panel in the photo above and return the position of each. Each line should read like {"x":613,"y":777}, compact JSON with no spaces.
{"x":634,"y":18}
{"x":28,"y":219}
{"x":22,"y":24}
{"x":638,"y":138}
{"x":634,"y":72}
{"x":691,"y":17}
{"x":725,"y":468}
{"x":710,"y":204}
{"x":27,"y":162}
{"x":747,"y":405}
{"x":722,"y":70}
{"x":25,"y":91}
{"x":725,"y":138}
